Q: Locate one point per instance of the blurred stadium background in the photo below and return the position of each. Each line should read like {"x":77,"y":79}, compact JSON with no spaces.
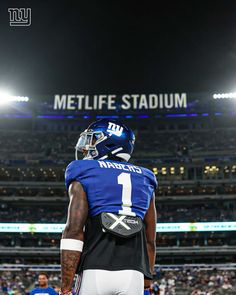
{"x":191,"y":150}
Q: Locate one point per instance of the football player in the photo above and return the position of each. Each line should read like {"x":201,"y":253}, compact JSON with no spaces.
{"x":43,"y":288}
{"x":110,"y":234}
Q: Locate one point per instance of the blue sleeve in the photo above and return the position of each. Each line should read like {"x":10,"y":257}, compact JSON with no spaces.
{"x":155,"y":184}
{"x":152,"y":179}
{"x":146,"y":292}
{"x":74,"y":172}
{"x":32,"y":292}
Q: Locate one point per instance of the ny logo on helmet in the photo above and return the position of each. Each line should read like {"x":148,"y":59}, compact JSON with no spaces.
{"x":114,"y":129}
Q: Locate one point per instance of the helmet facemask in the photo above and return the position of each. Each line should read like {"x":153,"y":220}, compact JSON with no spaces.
{"x":87,"y":144}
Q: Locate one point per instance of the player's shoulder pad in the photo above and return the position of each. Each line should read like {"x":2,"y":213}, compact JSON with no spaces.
{"x":151,"y":177}
{"x":74,"y":171}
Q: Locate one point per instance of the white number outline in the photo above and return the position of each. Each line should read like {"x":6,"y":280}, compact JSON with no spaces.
{"x":124,"y":179}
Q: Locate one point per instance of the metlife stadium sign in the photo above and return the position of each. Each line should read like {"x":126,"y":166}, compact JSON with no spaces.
{"x":124,"y":102}
{"x":161,"y":227}
{"x":119,"y":105}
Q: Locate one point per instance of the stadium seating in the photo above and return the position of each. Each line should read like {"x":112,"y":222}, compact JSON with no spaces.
{"x":179,"y":280}
{"x":195,"y":164}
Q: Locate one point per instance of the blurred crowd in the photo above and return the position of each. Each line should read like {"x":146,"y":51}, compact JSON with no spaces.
{"x":196,"y":212}
{"x":22,"y":282}
{"x":33,"y":213}
{"x":58,"y":147}
{"x":58,"y":190}
{"x":36,"y":146}
{"x":184,"y":281}
{"x":195,"y":239}
{"x":43,"y":157}
{"x":50,"y":212}
{"x":185,"y":239}
{"x":194,"y":281}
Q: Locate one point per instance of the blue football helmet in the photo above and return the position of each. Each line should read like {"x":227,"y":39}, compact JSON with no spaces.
{"x":106,"y":139}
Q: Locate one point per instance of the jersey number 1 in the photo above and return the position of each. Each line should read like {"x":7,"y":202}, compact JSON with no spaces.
{"x":125,"y":180}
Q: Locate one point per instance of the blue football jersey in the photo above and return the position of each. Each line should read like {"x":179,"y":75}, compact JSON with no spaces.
{"x":112,"y":186}
{"x":43,"y":291}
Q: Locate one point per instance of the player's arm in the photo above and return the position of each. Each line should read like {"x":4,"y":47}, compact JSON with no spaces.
{"x":73,"y":236}
{"x":150,"y":221}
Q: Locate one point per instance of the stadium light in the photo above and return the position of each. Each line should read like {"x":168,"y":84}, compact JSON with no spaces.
{"x":6,"y":98}
{"x":224,"y":95}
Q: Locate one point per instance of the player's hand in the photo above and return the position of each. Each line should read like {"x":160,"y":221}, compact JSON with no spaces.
{"x":147,"y":283}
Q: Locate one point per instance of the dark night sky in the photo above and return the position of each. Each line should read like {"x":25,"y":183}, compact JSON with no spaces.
{"x":115,"y":46}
